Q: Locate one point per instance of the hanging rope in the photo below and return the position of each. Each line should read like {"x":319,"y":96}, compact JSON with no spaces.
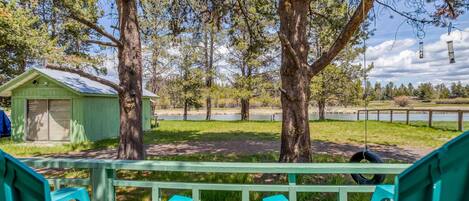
{"x":365,"y":80}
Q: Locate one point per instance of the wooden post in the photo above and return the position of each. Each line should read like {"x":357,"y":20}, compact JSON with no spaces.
{"x":245,"y":195}
{"x":342,"y":195}
{"x":460,"y":120}
{"x":292,"y":183}
{"x":195,"y":194}
{"x":155,"y":193}
{"x":377,"y":117}
{"x":430,"y":118}
{"x":390,"y":115}
{"x":101,"y":184}
{"x":407,"y":117}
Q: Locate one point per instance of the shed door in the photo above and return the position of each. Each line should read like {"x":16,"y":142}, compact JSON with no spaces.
{"x":59,"y":120}
{"x":38,"y":125}
{"x":48,"y":120}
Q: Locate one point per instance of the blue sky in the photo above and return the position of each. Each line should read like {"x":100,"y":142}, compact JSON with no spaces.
{"x":394,"y":50}
{"x":397,"y":60}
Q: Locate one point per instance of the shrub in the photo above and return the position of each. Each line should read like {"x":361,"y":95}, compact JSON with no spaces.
{"x":453,"y":101}
{"x":402,"y":101}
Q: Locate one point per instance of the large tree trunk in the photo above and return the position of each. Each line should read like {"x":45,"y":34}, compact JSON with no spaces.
{"x":296,"y":144}
{"x":244,"y":109}
{"x":321,"y":110}
{"x":209,"y":46}
{"x":130,"y":77}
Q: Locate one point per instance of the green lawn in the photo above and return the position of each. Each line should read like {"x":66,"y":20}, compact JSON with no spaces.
{"x":382,"y":133}
{"x":330,"y":131}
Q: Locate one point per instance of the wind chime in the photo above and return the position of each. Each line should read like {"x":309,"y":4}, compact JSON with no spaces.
{"x":449,"y":42}
{"x":452,"y":59}
{"x":421,"y":36}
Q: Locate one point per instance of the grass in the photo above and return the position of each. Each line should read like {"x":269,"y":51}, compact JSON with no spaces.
{"x":383,"y":133}
{"x":330,"y":131}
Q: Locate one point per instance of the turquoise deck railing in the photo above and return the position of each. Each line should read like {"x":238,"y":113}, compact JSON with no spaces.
{"x":103,"y":178}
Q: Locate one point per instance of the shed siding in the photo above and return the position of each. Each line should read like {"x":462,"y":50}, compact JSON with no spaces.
{"x":101,"y":117}
{"x":77,"y":133}
{"x":147,"y":114}
{"x":97,"y":109}
{"x":45,"y":89}
{"x":18,"y":112}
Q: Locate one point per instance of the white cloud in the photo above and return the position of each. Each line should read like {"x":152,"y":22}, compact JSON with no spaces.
{"x":398,"y":61}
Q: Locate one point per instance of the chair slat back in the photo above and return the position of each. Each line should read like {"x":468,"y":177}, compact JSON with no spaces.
{"x":441,"y":175}
{"x":19,"y":182}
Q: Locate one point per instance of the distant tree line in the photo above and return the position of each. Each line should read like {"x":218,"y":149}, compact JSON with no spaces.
{"x":423,"y":91}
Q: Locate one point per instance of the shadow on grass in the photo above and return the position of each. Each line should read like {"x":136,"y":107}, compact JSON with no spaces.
{"x":166,"y":136}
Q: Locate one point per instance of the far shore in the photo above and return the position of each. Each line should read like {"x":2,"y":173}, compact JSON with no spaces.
{"x":270,"y":111}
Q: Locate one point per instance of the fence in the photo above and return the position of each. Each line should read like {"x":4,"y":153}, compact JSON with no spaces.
{"x":103,"y":178}
{"x":430,"y":112}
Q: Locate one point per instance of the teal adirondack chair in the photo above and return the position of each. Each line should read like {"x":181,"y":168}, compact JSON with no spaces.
{"x":271,"y":198}
{"x":442,"y":175}
{"x":21,"y":183}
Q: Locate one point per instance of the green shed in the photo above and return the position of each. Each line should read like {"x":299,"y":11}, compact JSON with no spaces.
{"x":52,"y":105}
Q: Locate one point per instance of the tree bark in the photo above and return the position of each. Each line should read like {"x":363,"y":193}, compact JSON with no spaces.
{"x":184,"y":116}
{"x":209,"y":46}
{"x":296,"y":73}
{"x":321,"y":110}
{"x":130,"y":76}
{"x":244,"y":109}
{"x":296,"y":144}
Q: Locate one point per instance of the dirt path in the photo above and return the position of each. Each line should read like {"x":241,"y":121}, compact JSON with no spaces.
{"x":254,"y":147}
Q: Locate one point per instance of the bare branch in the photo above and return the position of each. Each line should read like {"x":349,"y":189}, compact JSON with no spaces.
{"x":424,"y":21}
{"x":290,"y":49}
{"x":87,"y":75}
{"x":452,"y":12}
{"x":96,"y":28}
{"x":110,"y":44}
{"x":349,"y":30}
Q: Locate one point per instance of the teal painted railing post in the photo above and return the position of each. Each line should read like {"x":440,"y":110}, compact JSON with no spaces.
{"x":245,"y":195}
{"x":195,"y":194}
{"x":102,"y":184}
{"x":343,"y":195}
{"x":292,"y":184}
{"x":56,"y":185}
{"x":155,"y":193}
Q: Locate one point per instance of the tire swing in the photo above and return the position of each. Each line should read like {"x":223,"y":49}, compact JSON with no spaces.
{"x":366,"y":154}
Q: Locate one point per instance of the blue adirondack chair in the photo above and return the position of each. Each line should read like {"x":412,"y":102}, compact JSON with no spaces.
{"x":442,"y":175}
{"x":21,"y":183}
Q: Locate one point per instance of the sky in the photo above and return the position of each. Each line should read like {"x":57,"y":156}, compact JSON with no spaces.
{"x":394,"y":46}
{"x":394,"y":51}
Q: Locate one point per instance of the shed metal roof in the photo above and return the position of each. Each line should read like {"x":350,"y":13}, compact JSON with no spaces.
{"x":73,"y":81}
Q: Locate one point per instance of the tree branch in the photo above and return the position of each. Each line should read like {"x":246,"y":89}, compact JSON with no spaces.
{"x":86,"y":75}
{"x":452,"y":12}
{"x":424,"y":21}
{"x":96,"y":28}
{"x":110,"y":44}
{"x":290,"y":49}
{"x":349,"y":30}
